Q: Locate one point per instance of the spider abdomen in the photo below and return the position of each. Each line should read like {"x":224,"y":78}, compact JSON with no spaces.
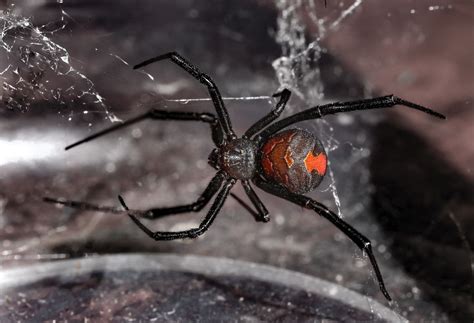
{"x":295,"y":159}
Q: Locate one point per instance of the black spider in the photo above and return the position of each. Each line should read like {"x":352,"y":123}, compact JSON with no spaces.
{"x":285,"y":163}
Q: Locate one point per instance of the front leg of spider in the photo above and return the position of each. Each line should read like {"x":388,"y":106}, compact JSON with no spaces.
{"x":284,"y":96}
{"x":204,"y":79}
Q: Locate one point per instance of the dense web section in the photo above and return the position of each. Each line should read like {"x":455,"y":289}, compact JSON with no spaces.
{"x":298,"y":67}
{"x":35,"y":69}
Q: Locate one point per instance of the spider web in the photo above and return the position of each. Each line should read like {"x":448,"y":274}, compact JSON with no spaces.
{"x":298,"y":67}
{"x":35,"y":69}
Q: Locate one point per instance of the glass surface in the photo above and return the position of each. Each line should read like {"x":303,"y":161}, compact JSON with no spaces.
{"x":174,"y":288}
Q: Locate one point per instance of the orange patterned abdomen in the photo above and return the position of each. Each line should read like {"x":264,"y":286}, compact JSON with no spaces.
{"x":295,"y":159}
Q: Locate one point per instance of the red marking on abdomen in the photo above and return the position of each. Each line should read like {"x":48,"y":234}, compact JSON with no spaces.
{"x":317,"y":162}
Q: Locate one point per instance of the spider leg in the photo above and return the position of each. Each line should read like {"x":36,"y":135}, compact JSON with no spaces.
{"x":154,"y":213}
{"x":262,"y":212}
{"x":272,"y":115}
{"x":196,"y":206}
{"x":245,"y":206}
{"x":191,"y":233}
{"x":360,"y":240}
{"x":83,"y":205}
{"x":157,"y":114}
{"x":204,"y":79}
{"x":387,"y":101}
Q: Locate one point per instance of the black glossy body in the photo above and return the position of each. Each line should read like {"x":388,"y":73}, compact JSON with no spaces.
{"x":237,"y":159}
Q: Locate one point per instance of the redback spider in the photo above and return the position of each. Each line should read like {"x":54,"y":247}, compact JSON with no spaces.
{"x":283,"y":162}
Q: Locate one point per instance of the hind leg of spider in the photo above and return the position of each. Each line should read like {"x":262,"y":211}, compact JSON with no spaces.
{"x":206,"y":80}
{"x":272,"y":115}
{"x":191,"y":233}
{"x":360,"y":240}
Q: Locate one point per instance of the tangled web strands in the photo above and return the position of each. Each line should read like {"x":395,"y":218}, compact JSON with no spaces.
{"x":35,"y":69}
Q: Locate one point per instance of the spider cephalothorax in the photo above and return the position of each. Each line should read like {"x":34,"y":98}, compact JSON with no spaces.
{"x":238,"y":158}
{"x":283,"y":162}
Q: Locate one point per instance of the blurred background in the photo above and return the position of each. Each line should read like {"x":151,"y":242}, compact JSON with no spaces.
{"x":402,"y":178}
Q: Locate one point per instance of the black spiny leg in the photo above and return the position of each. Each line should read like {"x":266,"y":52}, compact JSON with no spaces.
{"x":204,"y":79}
{"x":332,"y":108}
{"x":155,"y":213}
{"x":360,"y":240}
{"x":156,"y":114}
{"x":246,"y":206}
{"x":82,"y":205}
{"x":272,"y":115}
{"x":197,"y":206}
{"x":191,"y":233}
{"x":262,"y":212}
